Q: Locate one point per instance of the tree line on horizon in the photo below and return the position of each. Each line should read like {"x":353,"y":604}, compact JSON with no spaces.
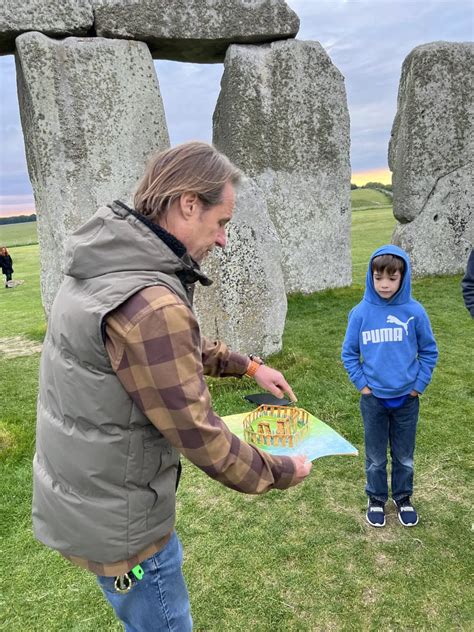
{"x":373,"y":185}
{"x":18,"y":219}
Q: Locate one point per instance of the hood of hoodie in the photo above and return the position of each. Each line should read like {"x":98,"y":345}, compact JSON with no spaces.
{"x":404,"y":292}
{"x":115,"y":239}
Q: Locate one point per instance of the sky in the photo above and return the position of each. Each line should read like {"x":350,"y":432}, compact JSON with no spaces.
{"x":366,"y":39}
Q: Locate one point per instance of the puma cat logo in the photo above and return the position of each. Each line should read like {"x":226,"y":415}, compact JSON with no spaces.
{"x":393,"y":319}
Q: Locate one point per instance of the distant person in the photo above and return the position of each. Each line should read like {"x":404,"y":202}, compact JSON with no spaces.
{"x":123,"y":395}
{"x":6,"y":264}
{"x":467,"y":285}
{"x":389,"y":353}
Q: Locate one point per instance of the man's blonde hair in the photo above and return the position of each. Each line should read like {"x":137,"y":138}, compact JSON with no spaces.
{"x":191,"y":167}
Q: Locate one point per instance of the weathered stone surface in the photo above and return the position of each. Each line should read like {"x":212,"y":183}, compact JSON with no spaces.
{"x":440,"y":238}
{"x":431,"y":156}
{"x":282,"y":118}
{"x":91,"y":113}
{"x":246,"y":305}
{"x":52,"y":17}
{"x":195,"y":30}
{"x":432,"y":134}
{"x":183,"y":30}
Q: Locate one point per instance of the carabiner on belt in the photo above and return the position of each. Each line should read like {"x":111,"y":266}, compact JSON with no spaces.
{"x":123,"y":583}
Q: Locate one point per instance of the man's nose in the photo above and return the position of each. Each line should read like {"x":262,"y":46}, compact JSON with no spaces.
{"x":221,"y":238}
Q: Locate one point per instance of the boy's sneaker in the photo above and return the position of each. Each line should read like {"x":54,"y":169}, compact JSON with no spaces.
{"x":406,"y":512}
{"x":376,"y":513}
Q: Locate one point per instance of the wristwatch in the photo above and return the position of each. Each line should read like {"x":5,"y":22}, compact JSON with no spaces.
{"x":255,"y":363}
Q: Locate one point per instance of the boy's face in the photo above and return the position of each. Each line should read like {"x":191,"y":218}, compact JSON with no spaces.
{"x":386,"y":285}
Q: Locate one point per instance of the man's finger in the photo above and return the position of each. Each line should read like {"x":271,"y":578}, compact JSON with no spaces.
{"x":287,"y":388}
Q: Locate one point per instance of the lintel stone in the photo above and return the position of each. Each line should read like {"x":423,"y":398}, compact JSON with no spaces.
{"x":183,"y":30}
{"x":195,"y":30}
{"x":56,"y":18}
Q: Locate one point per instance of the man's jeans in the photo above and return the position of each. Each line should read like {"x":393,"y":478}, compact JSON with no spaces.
{"x":382,"y":426}
{"x":159,"y":601}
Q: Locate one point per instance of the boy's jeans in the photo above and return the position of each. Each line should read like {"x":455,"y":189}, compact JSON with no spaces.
{"x":397,"y":427}
{"x":159,"y":601}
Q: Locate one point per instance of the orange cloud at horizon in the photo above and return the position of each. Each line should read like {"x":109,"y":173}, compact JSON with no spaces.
{"x":382,"y":175}
{"x":16,"y":205}
{"x":25,"y":205}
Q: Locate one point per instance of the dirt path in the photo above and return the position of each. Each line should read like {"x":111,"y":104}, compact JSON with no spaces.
{"x":16,"y":346}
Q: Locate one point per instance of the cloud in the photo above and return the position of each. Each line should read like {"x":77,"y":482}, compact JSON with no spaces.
{"x":13,"y":172}
{"x":189,"y":93}
{"x":368,"y":41}
{"x":16,"y":205}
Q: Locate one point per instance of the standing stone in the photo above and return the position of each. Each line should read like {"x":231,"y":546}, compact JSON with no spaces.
{"x":431,"y":156}
{"x":92,"y":114}
{"x":195,"y":30}
{"x":246,"y":305}
{"x":58,"y":18}
{"x":282,"y":118}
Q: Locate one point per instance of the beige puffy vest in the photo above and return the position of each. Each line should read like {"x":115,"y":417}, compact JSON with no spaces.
{"x":104,"y":476}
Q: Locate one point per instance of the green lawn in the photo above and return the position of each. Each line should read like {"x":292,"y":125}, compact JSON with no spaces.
{"x":22,"y":304}
{"x":370,"y":229}
{"x":18,"y":234}
{"x":299,"y":560}
{"x":369,"y":198}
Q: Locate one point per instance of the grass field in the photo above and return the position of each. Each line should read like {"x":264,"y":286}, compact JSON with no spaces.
{"x":300,"y":560}
{"x":369,"y":198}
{"x":22,"y":305}
{"x":370,"y":229}
{"x":18,"y":234}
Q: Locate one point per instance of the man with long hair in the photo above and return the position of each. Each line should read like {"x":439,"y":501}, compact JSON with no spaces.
{"x":122,"y":389}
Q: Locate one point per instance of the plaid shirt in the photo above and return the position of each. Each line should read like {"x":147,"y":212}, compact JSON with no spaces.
{"x":158,"y":354}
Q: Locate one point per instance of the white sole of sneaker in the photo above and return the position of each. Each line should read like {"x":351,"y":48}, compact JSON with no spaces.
{"x":377,"y":526}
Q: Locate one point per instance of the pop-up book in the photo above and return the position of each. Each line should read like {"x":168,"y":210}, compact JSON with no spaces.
{"x":288,"y":431}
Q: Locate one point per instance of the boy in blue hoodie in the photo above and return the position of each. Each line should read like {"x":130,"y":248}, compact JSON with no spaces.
{"x":389,"y":353}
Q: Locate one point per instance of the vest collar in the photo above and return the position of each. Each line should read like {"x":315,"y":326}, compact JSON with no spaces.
{"x":191,"y":272}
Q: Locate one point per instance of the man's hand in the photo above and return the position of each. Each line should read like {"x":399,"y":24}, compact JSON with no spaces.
{"x":274,"y":382}
{"x":366,"y":391}
{"x":414,"y":393}
{"x":302,"y":468}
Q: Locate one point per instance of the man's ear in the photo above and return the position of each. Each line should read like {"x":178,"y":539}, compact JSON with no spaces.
{"x":189,"y":204}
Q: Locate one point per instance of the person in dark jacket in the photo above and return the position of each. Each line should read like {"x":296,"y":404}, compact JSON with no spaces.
{"x":467,"y":285}
{"x":6,"y":264}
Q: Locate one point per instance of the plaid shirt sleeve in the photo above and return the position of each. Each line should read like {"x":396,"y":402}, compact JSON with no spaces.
{"x":219,"y":361}
{"x":155,"y":347}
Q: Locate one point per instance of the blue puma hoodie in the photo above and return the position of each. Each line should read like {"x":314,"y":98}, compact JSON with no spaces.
{"x":389,"y":345}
